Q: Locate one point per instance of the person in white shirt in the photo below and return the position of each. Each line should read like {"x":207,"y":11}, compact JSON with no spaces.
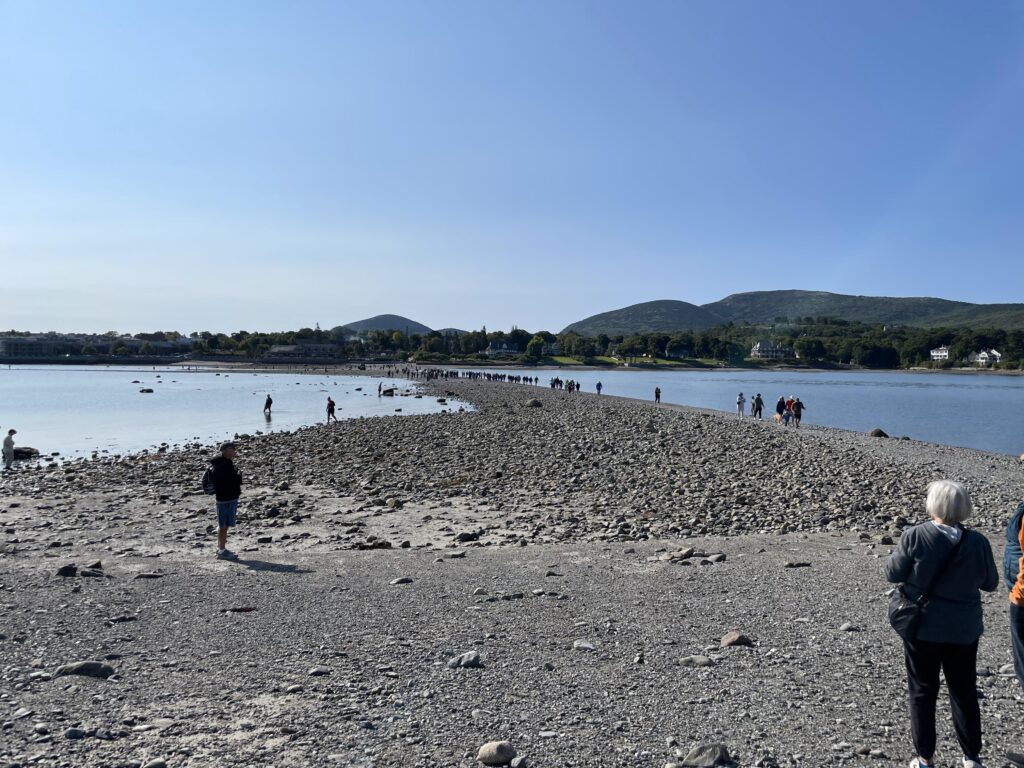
{"x":740,"y":402}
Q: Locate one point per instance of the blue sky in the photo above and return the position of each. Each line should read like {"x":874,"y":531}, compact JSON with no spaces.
{"x":269,"y":165}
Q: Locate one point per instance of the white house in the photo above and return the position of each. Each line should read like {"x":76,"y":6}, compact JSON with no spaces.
{"x":501,"y":349}
{"x":767,"y":350}
{"x":940,"y":353}
{"x":985,"y":358}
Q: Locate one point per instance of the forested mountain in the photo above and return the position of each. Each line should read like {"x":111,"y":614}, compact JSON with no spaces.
{"x":651,"y":316}
{"x":388,"y":323}
{"x":923,"y":312}
{"x":768,"y":307}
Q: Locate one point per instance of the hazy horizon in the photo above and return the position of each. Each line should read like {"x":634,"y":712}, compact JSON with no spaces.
{"x":263,"y":166}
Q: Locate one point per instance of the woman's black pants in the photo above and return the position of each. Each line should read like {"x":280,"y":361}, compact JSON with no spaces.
{"x":959,"y":664}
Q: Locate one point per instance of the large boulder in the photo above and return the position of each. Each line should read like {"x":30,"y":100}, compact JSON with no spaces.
{"x":24,"y":453}
{"x":876,"y":432}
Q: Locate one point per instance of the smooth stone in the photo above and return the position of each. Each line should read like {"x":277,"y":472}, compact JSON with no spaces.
{"x":496,"y":753}
{"x":583,"y":645}
{"x":735,"y":638}
{"x":319,"y":671}
{"x":706,"y":756}
{"x":696,"y":661}
{"x":85,"y":668}
{"x":74,"y":733}
{"x":401,"y":580}
{"x":468,"y":660}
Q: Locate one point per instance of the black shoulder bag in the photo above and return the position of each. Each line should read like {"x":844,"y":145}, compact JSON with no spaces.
{"x":905,"y":614}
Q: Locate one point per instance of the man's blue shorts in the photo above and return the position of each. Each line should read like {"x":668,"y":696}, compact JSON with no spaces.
{"x":226,"y":513}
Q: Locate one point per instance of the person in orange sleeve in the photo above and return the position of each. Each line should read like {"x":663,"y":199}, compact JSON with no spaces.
{"x":1013,"y":572}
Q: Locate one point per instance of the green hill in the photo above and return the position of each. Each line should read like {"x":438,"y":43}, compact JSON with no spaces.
{"x":666,"y":315}
{"x":387,"y":323}
{"x":760,"y":307}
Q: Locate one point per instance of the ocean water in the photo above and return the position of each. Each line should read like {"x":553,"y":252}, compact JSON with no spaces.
{"x":78,"y":410}
{"x":982,"y":411}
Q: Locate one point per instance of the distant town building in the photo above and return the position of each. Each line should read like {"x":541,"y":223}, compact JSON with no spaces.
{"x":304,"y":350}
{"x":769,"y":350}
{"x":984,"y":358}
{"x":29,"y":347}
{"x":678,"y":353}
{"x":551,"y":348}
{"x":940,"y":353}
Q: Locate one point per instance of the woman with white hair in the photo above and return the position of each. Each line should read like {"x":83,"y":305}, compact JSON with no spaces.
{"x":940,"y":566}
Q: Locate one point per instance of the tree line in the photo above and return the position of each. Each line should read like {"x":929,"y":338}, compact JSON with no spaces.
{"x":811,"y":339}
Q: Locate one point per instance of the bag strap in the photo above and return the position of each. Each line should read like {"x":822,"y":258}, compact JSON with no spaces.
{"x":945,"y":564}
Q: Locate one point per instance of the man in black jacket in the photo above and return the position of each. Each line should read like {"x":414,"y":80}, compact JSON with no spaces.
{"x":227,"y":485}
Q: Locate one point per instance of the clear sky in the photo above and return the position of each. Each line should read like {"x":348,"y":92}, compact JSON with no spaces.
{"x":270,"y":165}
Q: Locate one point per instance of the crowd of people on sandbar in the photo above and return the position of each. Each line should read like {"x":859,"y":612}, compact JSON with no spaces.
{"x":788,"y":410}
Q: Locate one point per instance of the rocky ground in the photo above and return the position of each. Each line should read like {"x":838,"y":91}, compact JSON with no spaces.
{"x":592,"y":552}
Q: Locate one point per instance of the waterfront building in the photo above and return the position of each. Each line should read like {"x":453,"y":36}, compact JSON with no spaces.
{"x":985,"y":357}
{"x":769,"y":350}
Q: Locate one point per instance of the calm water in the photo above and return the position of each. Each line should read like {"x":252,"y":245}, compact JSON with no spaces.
{"x":976,"y":411}
{"x":80,"y":410}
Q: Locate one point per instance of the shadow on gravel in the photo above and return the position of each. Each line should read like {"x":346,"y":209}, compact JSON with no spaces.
{"x":263,"y":565}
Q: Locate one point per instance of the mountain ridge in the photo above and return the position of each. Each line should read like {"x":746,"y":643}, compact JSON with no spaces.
{"x":765,"y":307}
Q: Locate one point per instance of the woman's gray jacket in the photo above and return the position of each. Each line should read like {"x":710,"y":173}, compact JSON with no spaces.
{"x":953,"y":613}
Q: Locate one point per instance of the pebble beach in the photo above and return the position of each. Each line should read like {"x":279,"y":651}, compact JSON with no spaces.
{"x":596,"y":581}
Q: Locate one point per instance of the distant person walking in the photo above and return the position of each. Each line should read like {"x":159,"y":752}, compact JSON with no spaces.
{"x":380,"y":388}
{"x":9,"y":449}
{"x":757,"y":406}
{"x":657,"y":394}
{"x":780,"y":408}
{"x":1013,"y":573}
{"x":798,"y":412}
{"x":330,"y":410}
{"x":946,"y":564}
{"x":599,"y":387}
{"x":223,"y":480}
{"x":741,"y":402}
{"x":268,"y":404}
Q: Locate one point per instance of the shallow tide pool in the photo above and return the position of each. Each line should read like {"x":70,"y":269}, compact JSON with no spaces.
{"x":76,"y":411}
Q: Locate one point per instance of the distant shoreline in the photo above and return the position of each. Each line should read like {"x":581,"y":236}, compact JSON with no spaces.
{"x":353,"y":368}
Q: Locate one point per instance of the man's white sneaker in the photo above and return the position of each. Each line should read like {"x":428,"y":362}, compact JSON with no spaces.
{"x":968,"y":763}
{"x":226,"y":554}
{"x":918,"y":763}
